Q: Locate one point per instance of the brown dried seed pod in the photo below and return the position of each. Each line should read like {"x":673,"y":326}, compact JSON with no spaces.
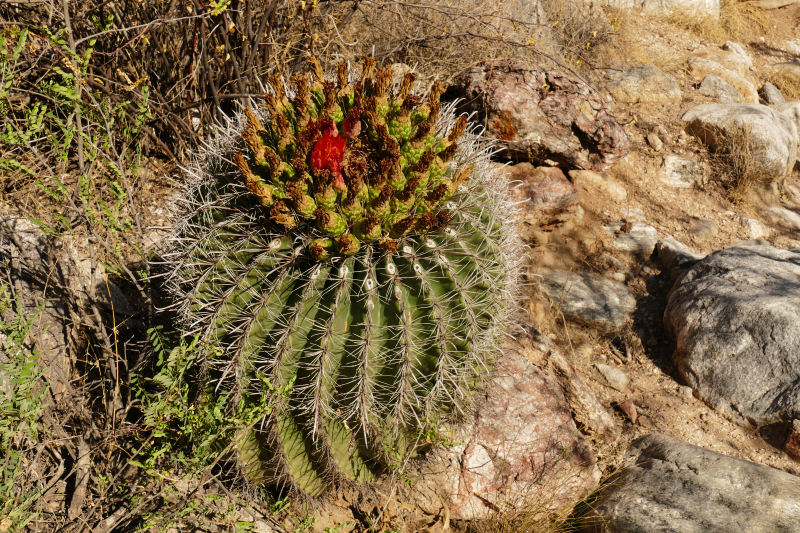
{"x":388,"y":245}
{"x":253,"y":122}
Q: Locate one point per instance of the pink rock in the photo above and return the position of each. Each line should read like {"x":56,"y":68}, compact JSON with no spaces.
{"x":546,"y":189}
{"x":537,"y":113}
{"x":521,"y":444}
{"x":792,"y":444}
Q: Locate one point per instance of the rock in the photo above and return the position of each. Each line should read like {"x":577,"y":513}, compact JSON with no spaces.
{"x":520,"y":438}
{"x":663,"y":134}
{"x":771,"y":94}
{"x":629,"y":410}
{"x":715,"y":87}
{"x":792,"y":444}
{"x":676,"y":258}
{"x":534,"y":112}
{"x":670,"y":486}
{"x":730,"y":46}
{"x":735,"y":320}
{"x":775,"y":4}
{"x":755,"y":229}
{"x":771,"y":136}
{"x":546,"y":189}
{"x":615,"y":377}
{"x":791,"y":110}
{"x":726,"y":58}
{"x":667,"y":8}
{"x":639,"y":239}
{"x":703,"y":230}
{"x":587,"y":411}
{"x":681,"y":172}
{"x":749,"y":242}
{"x":589,"y":298}
{"x":61,"y":273}
{"x":685,"y":391}
{"x":783,"y":218}
{"x":586,"y":179}
{"x":655,"y":142}
{"x":699,"y":68}
{"x":643,"y":84}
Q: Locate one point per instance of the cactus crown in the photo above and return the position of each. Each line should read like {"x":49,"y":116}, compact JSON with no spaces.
{"x":351,"y":164}
{"x":348,"y":243}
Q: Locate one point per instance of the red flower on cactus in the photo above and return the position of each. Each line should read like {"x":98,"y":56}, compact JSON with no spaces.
{"x":328,"y":154}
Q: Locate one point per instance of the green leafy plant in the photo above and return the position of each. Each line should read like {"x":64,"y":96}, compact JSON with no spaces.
{"x":361,"y":253}
{"x":21,"y":404}
{"x":67,"y":124}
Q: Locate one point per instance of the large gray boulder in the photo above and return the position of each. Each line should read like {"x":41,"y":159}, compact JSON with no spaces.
{"x":589,"y":298}
{"x":538,"y":113}
{"x":674,"y":487}
{"x":735,"y":321}
{"x":771,"y":138}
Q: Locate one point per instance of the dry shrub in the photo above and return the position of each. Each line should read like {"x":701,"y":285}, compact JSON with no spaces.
{"x":447,"y":37}
{"x":737,"y":166}
{"x":738,"y":19}
{"x":787,"y":81}
{"x":631,"y":46}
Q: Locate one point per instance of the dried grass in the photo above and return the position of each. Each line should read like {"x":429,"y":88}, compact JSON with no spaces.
{"x":737,"y":166}
{"x":447,"y":37}
{"x":787,"y":81}
{"x":738,"y":20}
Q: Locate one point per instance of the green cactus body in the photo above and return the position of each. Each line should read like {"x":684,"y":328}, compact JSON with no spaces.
{"x":374,"y":336}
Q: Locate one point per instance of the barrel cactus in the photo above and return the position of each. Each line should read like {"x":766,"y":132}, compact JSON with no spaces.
{"x":347,"y":242}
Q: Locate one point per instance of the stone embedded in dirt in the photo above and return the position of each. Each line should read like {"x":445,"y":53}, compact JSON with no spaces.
{"x":629,"y":410}
{"x":643,"y":83}
{"x":586,"y":179}
{"x":792,"y":444}
{"x":715,"y":87}
{"x":637,"y":238}
{"x":725,"y":58}
{"x":735,"y":320}
{"x":703,"y":230}
{"x":589,"y":298}
{"x":546,"y":189}
{"x":655,"y":142}
{"x":520,"y":440}
{"x":771,"y":94}
{"x":755,"y":229}
{"x":699,"y":67}
{"x":676,"y":258}
{"x":731,"y":46}
{"x":536,"y":112}
{"x":670,"y":486}
{"x":783,"y":218}
{"x":681,"y":172}
{"x":768,"y":137}
{"x":614,"y":377}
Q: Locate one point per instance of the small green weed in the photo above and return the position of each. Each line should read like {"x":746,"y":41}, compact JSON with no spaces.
{"x":21,"y":404}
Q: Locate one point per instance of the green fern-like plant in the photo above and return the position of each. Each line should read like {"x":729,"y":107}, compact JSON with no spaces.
{"x":350,"y":240}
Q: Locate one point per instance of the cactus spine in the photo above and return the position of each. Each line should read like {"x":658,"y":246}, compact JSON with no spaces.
{"x":349,"y":242}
